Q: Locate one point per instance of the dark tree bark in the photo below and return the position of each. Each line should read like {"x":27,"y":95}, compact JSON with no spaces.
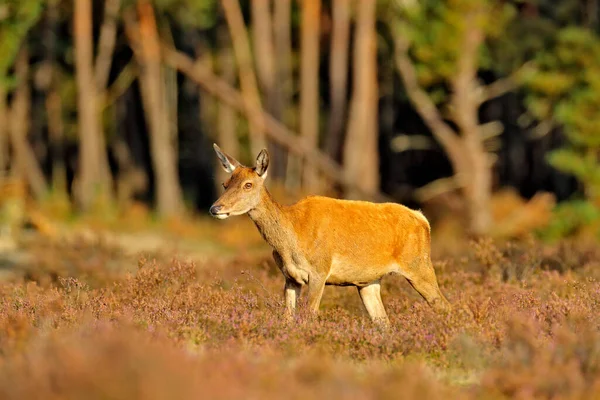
{"x":90,"y":182}
{"x":25,"y":165}
{"x":169,"y":197}
{"x":227,"y":119}
{"x":309,"y":84}
{"x":243,"y":56}
{"x":338,"y":76}
{"x":361,"y":155}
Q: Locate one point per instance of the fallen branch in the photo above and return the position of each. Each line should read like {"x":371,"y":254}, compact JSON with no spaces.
{"x":273,"y":128}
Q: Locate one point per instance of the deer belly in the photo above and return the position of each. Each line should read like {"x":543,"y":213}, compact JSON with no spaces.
{"x":344,"y":272}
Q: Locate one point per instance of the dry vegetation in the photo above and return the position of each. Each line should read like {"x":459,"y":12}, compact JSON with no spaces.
{"x":86,"y":321}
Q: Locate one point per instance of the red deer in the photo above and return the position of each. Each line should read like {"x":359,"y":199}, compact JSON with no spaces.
{"x":322,"y":241}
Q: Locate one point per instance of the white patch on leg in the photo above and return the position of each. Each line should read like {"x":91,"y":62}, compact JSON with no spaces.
{"x":290,"y":299}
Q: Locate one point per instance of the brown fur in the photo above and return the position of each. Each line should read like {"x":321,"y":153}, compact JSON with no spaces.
{"x":324,"y":241}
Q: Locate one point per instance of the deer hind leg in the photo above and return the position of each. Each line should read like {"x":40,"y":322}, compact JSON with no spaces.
{"x":421,"y":277}
{"x":316,"y":286}
{"x":371,"y":298}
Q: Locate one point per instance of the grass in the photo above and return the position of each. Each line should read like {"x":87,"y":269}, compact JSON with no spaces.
{"x":92,"y":321}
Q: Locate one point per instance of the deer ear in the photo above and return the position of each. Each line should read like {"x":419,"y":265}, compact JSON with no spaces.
{"x":229,"y":163}
{"x":262,"y":163}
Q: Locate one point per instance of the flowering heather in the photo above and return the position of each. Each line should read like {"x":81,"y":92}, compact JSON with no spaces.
{"x":88,"y":322}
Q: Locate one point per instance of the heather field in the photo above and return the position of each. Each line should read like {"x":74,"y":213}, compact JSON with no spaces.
{"x":86,"y":320}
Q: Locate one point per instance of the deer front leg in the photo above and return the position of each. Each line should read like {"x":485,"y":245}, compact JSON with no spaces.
{"x":291,"y":294}
{"x":291,"y":291}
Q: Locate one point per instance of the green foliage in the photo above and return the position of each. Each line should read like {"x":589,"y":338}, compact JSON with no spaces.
{"x":436,"y":31}
{"x":565,"y":88}
{"x":197,"y":13}
{"x":16,"y":18}
{"x":570,"y":217}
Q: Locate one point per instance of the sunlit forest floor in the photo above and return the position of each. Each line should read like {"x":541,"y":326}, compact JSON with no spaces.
{"x":193,"y":309}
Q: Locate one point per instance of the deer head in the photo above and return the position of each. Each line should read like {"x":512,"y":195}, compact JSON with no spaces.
{"x":244,"y":187}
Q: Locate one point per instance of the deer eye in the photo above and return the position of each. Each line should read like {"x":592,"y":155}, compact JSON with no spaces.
{"x":248,"y":185}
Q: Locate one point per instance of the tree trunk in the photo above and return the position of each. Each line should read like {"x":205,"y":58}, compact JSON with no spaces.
{"x":338,"y":76}
{"x":276,"y":130}
{"x":309,"y":84}
{"x":53,"y":104}
{"x":164,"y":158}
{"x":243,"y":56}
{"x":106,"y":43}
{"x":283,"y":62}
{"x":471,"y":163}
{"x":227,"y":117}
{"x":3,"y":130}
{"x":56,"y":137}
{"x":264,"y":57}
{"x":131,"y":179}
{"x":361,"y":156}
{"x":262,"y":38}
{"x":478,"y":189}
{"x":25,"y":164}
{"x":285,"y":85}
{"x":207,"y":104}
{"x":90,"y":183}
{"x":102,"y":66}
{"x":474,"y":165}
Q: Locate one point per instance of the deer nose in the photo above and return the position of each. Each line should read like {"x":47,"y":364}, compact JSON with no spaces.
{"x":214,"y":210}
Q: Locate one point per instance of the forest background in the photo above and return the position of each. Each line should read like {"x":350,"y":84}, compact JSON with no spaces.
{"x":116,"y":283}
{"x":478,"y":111}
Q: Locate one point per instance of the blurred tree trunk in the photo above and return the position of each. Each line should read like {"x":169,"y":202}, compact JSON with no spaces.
{"x":264,"y":56}
{"x":102,"y":67}
{"x":171,"y":91}
{"x":25,"y":165}
{"x":283,"y":61}
{"x":53,"y":103}
{"x":3,"y":131}
{"x":243,"y":56}
{"x":472,"y":164}
{"x":56,"y":137}
{"x":338,"y":76}
{"x":227,"y":117}
{"x":361,"y":156}
{"x":590,"y":14}
{"x":220,"y":89}
{"x":284,"y":88}
{"x":93,"y":182}
{"x":152,"y":84}
{"x":18,"y":18}
{"x":309,"y":84}
{"x":132,"y":179}
{"x":262,"y":37}
{"x":204,"y":58}
{"x":106,"y":43}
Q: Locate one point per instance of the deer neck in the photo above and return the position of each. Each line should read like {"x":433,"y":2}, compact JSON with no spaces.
{"x":271,"y":221}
